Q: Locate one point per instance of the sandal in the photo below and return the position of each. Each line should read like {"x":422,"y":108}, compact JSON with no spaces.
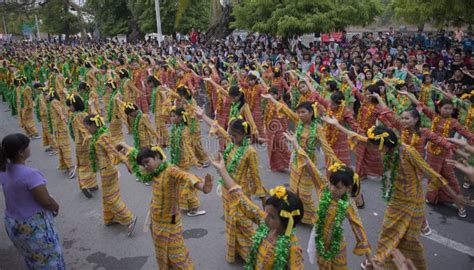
{"x":466,"y":185}
{"x":86,"y":193}
{"x":462,"y":212}
{"x":131,"y":227}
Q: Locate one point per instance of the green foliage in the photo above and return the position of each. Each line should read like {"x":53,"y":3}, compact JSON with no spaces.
{"x":56,"y":18}
{"x":291,"y":17}
{"x":438,"y":12}
{"x":111,"y":16}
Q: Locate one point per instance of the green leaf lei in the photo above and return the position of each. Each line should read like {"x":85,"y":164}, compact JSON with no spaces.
{"x":281,"y":248}
{"x":238,"y":154}
{"x":311,"y":142}
{"x":153,"y":99}
{"x":85,"y":98}
{"x":136,"y":170}
{"x":391,"y":161}
{"x":22,"y":98}
{"x":295,"y":97}
{"x":70,"y":123}
{"x":110,"y":106}
{"x":337,"y":230}
{"x":136,"y":141}
{"x":37,"y":109}
{"x":50,"y":121}
{"x":175,"y":143}
{"x":92,"y":153}
{"x":234,"y":111}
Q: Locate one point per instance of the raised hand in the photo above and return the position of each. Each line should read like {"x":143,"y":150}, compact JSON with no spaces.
{"x":217,"y":161}
{"x":330,"y":120}
{"x":199,"y":111}
{"x":267,"y":96}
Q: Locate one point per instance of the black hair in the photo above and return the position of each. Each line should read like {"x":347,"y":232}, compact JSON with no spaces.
{"x":234,"y":91}
{"x":399,"y":86}
{"x":307,"y":105}
{"x":123,"y":73}
{"x":345,"y":175}
{"x":373,"y":89}
{"x":83,"y":86}
{"x":274,"y":90}
{"x":77,"y":103}
{"x":332,"y":85}
{"x":391,"y":141}
{"x":146,"y":152}
{"x":294,"y":203}
{"x":184,"y":92}
{"x":337,"y":97}
{"x":179,"y":112}
{"x":131,"y":109}
{"x":237,"y":125}
{"x":153,"y":80}
{"x":38,"y":85}
{"x":424,"y":77}
{"x":11,"y":147}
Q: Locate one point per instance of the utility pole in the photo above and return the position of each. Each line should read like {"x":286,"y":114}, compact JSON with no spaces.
{"x":158,"y":21}
{"x":5,"y":28}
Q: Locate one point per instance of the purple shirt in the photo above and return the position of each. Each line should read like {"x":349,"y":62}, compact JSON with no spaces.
{"x":17,"y":183}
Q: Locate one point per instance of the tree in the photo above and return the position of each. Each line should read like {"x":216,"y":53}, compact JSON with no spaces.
{"x":110,"y":16}
{"x":221,"y":17}
{"x":57,"y":19}
{"x":17,"y":14}
{"x":437,"y":12}
{"x":287,"y":18}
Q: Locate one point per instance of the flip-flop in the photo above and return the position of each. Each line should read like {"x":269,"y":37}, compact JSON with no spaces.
{"x":365,"y":264}
{"x":131,"y":227}
{"x":196,"y":213}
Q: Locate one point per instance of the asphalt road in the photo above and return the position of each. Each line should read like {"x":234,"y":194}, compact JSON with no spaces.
{"x":87,"y":244}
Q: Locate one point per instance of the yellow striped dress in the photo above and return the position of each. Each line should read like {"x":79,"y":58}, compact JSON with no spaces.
{"x":114,"y":208}
{"x":166,"y":226}
{"x":362,"y":247}
{"x":85,"y":176}
{"x":241,"y":207}
{"x":116,"y":122}
{"x":60,"y":131}
{"x":195,"y":132}
{"x":26,"y":112}
{"x":146,"y":132}
{"x":161,"y":110}
{"x":239,"y":231}
{"x":405,"y":212}
{"x":47,"y":138}
{"x":300,"y":179}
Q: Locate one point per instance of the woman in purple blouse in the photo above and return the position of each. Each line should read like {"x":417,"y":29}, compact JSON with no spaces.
{"x":29,"y":207}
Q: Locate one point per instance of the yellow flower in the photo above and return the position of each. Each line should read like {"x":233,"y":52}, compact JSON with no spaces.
{"x":279,"y":192}
{"x":335,"y":167}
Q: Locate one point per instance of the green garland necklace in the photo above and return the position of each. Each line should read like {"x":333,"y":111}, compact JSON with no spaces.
{"x":110,"y":106}
{"x":175,"y":143}
{"x":37,"y":109}
{"x":281,"y":249}
{"x":391,"y":162}
{"x":71,"y":121}
{"x":311,"y":142}
{"x":92,"y":153}
{"x":337,"y":230}
{"x":136,"y":140}
{"x":153,"y":99}
{"x":143,"y":177}
{"x":237,"y":157}
{"x":234,"y":111}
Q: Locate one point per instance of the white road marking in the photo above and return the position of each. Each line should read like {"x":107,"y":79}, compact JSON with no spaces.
{"x":450,"y":243}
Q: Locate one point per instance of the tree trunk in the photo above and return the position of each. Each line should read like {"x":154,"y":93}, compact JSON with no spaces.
{"x":220,"y":28}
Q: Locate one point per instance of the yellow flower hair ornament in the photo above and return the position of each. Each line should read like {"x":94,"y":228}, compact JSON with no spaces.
{"x":159,"y":150}
{"x":280,"y":193}
{"x":129,"y":105}
{"x":467,"y":96}
{"x":335,"y":167}
{"x":98,"y":121}
{"x":401,"y":82}
{"x":245,"y":124}
{"x":381,"y":137}
{"x":185,"y":116}
{"x":112,"y":83}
